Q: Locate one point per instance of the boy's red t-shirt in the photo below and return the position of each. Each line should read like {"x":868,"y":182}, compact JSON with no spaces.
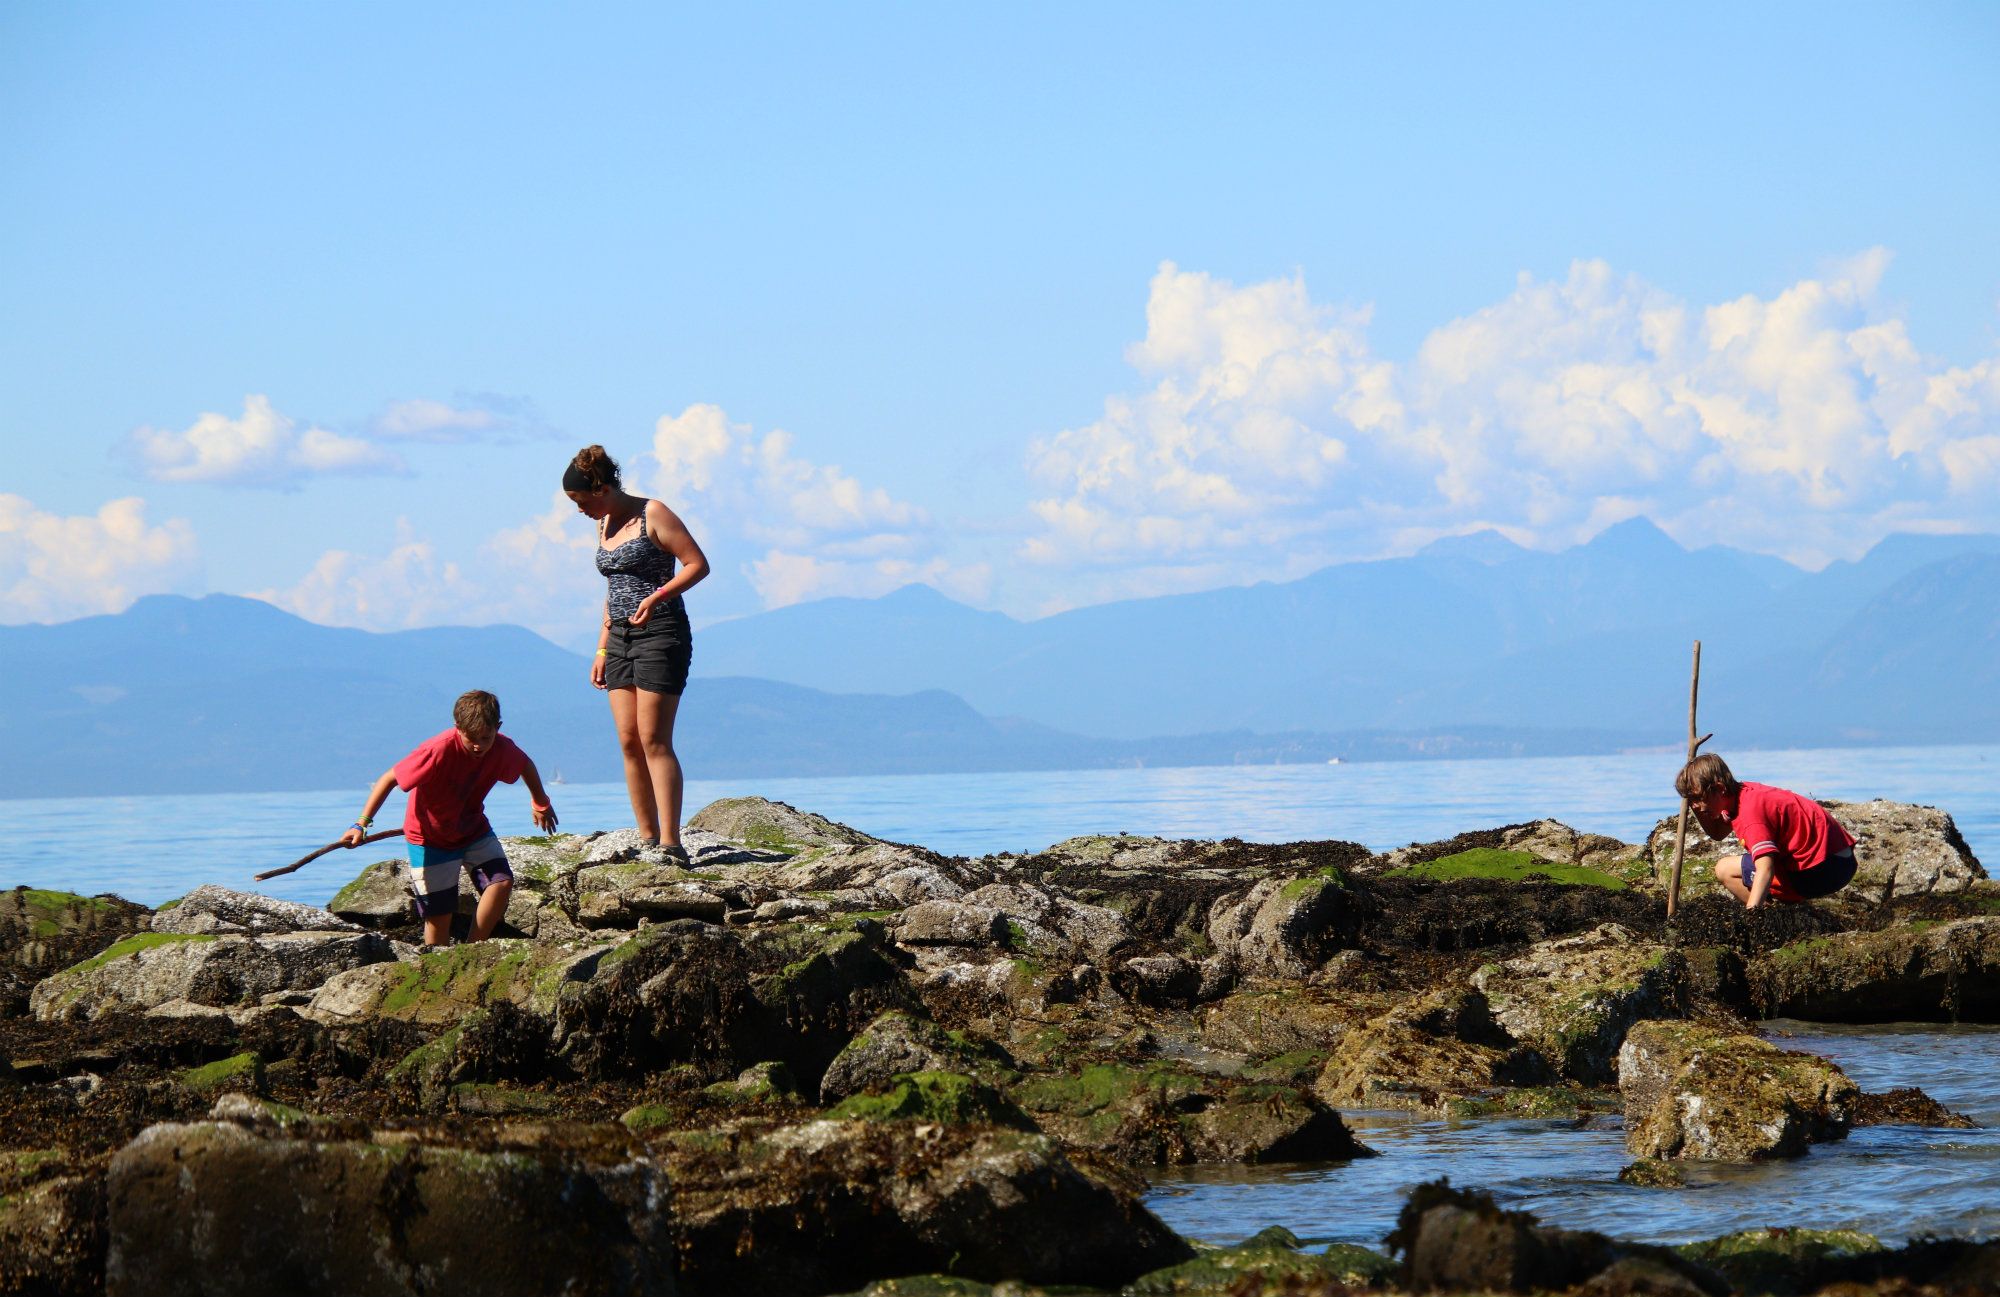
{"x":448,"y":786}
{"x":1796,"y":830}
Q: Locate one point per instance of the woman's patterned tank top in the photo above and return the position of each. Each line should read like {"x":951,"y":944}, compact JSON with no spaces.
{"x":634,"y":570}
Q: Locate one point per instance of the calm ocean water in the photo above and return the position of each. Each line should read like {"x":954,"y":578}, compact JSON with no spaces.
{"x":151,"y":849}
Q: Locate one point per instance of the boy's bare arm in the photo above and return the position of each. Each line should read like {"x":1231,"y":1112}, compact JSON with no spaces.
{"x":376,"y":796}
{"x":538,"y":797}
{"x":1760,"y":883}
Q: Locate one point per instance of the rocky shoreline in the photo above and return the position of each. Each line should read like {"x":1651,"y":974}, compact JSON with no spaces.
{"x":811,"y":1062}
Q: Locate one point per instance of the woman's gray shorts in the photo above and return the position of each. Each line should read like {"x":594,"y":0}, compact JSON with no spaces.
{"x":653,"y":657}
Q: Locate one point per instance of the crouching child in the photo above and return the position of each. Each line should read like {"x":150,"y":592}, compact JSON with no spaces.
{"x":1793,"y":850}
{"x":447,"y":778}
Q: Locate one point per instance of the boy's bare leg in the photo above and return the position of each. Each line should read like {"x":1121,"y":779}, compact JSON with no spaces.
{"x":492,"y":908}
{"x":437,"y":930}
{"x":638,"y":777}
{"x":1729,"y":872}
{"x":655,"y":718}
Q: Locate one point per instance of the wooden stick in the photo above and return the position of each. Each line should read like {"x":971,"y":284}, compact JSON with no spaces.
{"x":308,"y":859}
{"x":1681,"y":833}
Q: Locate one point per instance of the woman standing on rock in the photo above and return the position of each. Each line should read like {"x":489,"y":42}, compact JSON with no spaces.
{"x":645,"y":646}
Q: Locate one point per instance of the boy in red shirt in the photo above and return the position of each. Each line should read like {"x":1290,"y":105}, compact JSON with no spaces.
{"x":447,"y":778}
{"x":1793,"y":850}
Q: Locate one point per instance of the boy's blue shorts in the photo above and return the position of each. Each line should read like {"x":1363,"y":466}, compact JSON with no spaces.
{"x":434,"y":872}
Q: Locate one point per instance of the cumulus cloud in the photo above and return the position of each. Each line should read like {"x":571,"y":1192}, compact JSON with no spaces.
{"x":262,"y":448}
{"x":54,"y":568}
{"x":1271,"y":439}
{"x":817,"y":530}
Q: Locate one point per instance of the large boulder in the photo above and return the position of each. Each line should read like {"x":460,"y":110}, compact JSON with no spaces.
{"x":831,"y":1205}
{"x":442,"y":985}
{"x":377,"y":897}
{"x":216,"y":1209}
{"x":1050,"y":926}
{"x":51,"y":1230}
{"x":152,"y":969}
{"x":1267,"y":1020}
{"x":1426,"y":1054}
{"x":625,"y":894}
{"x":1161,"y":1115}
{"x":1286,"y":927}
{"x":1573,"y":998}
{"x":1900,"y":850}
{"x":898,"y":1043}
{"x":773,"y":826}
{"x":1945,"y":972}
{"x":722,"y":999}
{"x":1693,"y":1092}
{"x":210,"y":908}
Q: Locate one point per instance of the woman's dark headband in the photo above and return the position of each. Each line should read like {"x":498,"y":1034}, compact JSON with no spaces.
{"x":575,"y":479}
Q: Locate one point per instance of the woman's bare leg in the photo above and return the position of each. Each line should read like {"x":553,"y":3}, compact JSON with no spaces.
{"x":625,"y":709}
{"x":655,"y":726}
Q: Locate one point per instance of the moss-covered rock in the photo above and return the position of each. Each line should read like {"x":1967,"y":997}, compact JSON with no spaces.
{"x":241,"y":1072}
{"x":1783,"y":1261}
{"x":1426,"y":1054}
{"x":443,"y":985}
{"x":1694,"y":1092}
{"x":1506,"y":866}
{"x":773,"y":826}
{"x":1572,"y":999}
{"x":42,"y":931}
{"x":1273,"y":1262}
{"x":834,"y":1205}
{"x":947,"y":1097}
{"x":1940,"y":972}
{"x":150,"y":969}
{"x":898,"y":1042}
{"x":495,"y":1042}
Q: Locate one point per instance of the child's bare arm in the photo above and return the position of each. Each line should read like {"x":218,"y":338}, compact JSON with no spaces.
{"x":1760,"y":883}
{"x":376,"y":796}
{"x":538,"y":797}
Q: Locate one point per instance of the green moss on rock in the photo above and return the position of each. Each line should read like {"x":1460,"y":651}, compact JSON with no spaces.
{"x":241,"y":1071}
{"x":948,"y":1098}
{"x":135,"y":943}
{"x":1507,"y":866}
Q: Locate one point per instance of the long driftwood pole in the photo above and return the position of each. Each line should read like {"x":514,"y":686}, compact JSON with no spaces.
{"x":1681,"y":833}
{"x":306,"y":860}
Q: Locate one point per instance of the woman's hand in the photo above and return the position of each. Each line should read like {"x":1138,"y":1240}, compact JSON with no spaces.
{"x":642,"y":612}
{"x":597,"y":670}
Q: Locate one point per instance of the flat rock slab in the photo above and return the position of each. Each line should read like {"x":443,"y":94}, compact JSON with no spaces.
{"x":441,"y":986}
{"x":215,"y":1210}
{"x":1572,"y":999}
{"x":210,"y":908}
{"x":152,"y":969}
{"x":1945,"y":972}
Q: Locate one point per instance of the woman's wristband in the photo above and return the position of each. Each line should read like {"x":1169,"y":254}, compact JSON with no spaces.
{"x":602,"y":653}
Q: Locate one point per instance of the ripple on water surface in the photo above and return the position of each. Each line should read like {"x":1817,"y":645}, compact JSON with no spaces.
{"x":1896,"y":1182}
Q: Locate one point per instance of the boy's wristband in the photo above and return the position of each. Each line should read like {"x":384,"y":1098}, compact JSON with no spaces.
{"x":363,"y":825}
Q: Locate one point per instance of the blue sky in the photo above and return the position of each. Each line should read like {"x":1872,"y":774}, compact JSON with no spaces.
{"x":1046,"y":305}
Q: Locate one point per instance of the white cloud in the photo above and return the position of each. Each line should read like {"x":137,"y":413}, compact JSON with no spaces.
{"x":262,"y":448}
{"x":816,"y":530}
{"x":483,"y":416}
{"x":1272,"y":440}
{"x":54,"y":568}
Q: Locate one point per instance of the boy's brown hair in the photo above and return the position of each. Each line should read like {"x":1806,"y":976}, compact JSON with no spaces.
{"x":1706,"y":773}
{"x":476,"y":710}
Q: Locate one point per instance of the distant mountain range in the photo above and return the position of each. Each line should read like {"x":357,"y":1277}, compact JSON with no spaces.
{"x":1473,"y":647}
{"x":1472,"y":631}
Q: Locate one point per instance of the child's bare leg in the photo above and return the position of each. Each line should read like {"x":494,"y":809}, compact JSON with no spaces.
{"x":437,"y":930}
{"x":638,"y":777}
{"x":492,"y":908}
{"x":1729,"y":872}
{"x":655,"y":718}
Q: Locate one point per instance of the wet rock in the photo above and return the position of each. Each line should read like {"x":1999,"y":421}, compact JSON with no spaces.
{"x":773,"y":826}
{"x":1693,"y":1092}
{"x":1050,"y":926}
{"x":897,"y":1043}
{"x":210,"y":908}
{"x":1163,"y":981}
{"x":1279,"y":1020}
{"x":1273,"y":1261}
{"x":377,"y":897}
{"x":1425,"y":1054}
{"x":951,"y":1098}
{"x":950,"y":923}
{"x":1163,"y":1115}
{"x":1458,"y":1241}
{"x":51,"y":1230}
{"x":1648,"y":1173}
{"x":827,"y":1216}
{"x":1907,"y":973}
{"x":1286,"y":927}
{"x":1907,"y":1106}
{"x":1572,"y":999}
{"x":282,"y":1215}
{"x":723,"y":999}
{"x":239,"y":1073}
{"x":441,"y":986}
{"x":1784,"y":1261}
{"x":150,"y":969}
{"x":496,"y":1042}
